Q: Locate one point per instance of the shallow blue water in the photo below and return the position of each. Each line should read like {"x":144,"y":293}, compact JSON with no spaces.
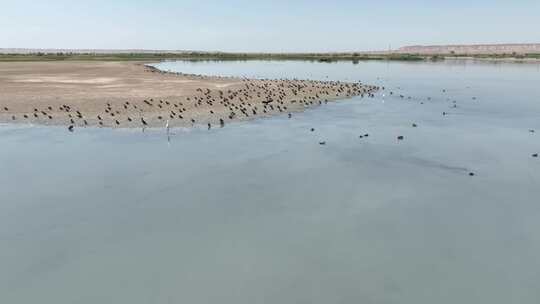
{"x":259,"y":212}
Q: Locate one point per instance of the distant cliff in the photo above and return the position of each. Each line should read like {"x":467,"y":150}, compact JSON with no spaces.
{"x":472,"y":49}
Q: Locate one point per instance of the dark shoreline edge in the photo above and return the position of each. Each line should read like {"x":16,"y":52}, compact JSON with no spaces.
{"x":219,"y":56}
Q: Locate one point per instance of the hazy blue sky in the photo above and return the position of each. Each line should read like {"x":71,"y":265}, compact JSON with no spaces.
{"x":278,"y":25}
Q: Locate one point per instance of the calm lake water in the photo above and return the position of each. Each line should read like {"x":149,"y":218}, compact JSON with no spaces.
{"x":259,"y":212}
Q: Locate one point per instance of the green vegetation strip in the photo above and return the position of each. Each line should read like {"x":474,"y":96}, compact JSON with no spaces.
{"x":196,"y":56}
{"x":203,"y":56}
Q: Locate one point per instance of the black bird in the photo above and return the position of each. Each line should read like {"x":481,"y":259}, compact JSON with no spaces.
{"x":535,"y":155}
{"x":70,"y":128}
{"x":143,"y":121}
{"x":414,"y":125}
{"x":209,"y":126}
{"x":400,"y":137}
{"x":471,"y":173}
{"x":322,"y":143}
{"x":312,"y":129}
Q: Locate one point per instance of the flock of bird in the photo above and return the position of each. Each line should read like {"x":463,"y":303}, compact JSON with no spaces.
{"x":206,"y":107}
{"x":414,"y":125}
{"x":214,"y":107}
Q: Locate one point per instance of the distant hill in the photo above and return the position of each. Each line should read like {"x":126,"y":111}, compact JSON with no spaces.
{"x":472,"y":49}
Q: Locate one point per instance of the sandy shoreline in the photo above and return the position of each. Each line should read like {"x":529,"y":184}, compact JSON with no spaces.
{"x":132,"y":95}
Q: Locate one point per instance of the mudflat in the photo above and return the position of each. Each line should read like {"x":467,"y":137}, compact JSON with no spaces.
{"x":128,"y":95}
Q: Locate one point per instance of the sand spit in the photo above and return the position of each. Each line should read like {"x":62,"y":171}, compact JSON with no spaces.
{"x":133,"y":95}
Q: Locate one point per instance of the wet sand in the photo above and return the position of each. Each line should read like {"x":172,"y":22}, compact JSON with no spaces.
{"x":132,"y":95}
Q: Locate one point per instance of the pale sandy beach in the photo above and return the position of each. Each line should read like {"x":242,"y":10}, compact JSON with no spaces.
{"x":130,"y":95}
